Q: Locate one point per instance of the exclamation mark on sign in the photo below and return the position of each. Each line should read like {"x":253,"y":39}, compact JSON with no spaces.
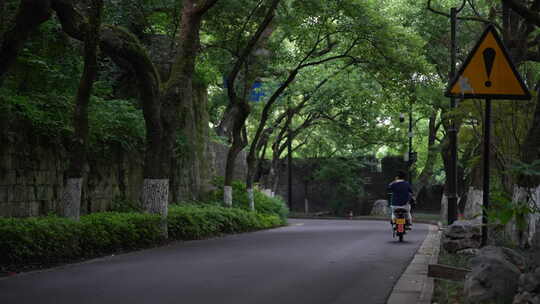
{"x":489,"y":58}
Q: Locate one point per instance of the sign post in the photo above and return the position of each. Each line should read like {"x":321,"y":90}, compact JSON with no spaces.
{"x":486,"y":156}
{"x":488,"y":73}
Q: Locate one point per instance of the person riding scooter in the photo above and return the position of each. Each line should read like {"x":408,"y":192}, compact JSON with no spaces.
{"x":402,"y":196}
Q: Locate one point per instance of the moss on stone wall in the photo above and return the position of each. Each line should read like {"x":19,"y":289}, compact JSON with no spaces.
{"x":32,"y":169}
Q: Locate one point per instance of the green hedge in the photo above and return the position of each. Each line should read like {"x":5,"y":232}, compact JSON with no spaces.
{"x":263,"y":203}
{"x":36,"y":242}
{"x":50,"y":240}
{"x":188,"y":222}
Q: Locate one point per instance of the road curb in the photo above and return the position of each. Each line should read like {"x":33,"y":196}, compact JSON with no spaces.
{"x":414,"y":286}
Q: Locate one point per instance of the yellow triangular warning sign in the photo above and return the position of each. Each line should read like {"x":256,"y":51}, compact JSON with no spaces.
{"x":488,"y":72}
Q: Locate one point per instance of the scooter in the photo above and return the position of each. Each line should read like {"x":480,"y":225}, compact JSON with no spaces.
{"x":400,"y":224}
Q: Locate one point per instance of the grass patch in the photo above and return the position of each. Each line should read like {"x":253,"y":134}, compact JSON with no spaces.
{"x":450,"y":292}
{"x":424,"y":216}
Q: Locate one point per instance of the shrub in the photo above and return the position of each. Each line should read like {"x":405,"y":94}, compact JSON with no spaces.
{"x":50,"y":240}
{"x":45,"y":241}
{"x":189,"y":222}
{"x":38,"y":240}
{"x":108,"y":232}
{"x":119,"y":204}
{"x":263,"y":203}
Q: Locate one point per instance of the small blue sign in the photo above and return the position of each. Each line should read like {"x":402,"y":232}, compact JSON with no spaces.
{"x":257,"y":91}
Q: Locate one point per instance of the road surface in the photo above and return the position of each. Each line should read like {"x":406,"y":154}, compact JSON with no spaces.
{"x":310,"y":261}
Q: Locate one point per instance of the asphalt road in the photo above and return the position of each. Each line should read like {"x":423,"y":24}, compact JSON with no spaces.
{"x":310,"y":261}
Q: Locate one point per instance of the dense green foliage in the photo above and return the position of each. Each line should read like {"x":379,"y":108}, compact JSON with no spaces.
{"x":112,"y":122}
{"x":36,"y":242}
{"x":344,"y":174}
{"x":40,"y":94}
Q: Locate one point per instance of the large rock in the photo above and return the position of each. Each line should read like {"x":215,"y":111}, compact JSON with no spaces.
{"x":473,"y":205}
{"x":463,"y":229}
{"x":526,"y":298}
{"x":444,"y":208}
{"x":529,"y":282}
{"x":529,"y":288}
{"x":459,"y":245}
{"x":462,"y":235}
{"x":468,"y":252}
{"x":494,"y":278}
{"x":380,"y":208}
{"x":536,"y":239}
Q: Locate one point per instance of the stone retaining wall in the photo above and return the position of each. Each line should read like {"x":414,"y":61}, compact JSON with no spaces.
{"x":32,"y":175}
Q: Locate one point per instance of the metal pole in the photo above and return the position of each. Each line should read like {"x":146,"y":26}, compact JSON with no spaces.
{"x":487,"y":144}
{"x":452,"y":133}
{"x":410,"y":141}
{"x":289,"y":166}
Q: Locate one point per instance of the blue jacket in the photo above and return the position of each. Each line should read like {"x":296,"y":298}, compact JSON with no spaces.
{"x":401,"y":193}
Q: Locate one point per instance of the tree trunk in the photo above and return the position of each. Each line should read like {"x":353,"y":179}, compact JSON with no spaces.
{"x":519,"y":195}
{"x":177,"y":91}
{"x":257,"y":141}
{"x":251,"y":168}
{"x":446,"y":155}
{"x":239,"y":106}
{"x":191,"y":177}
{"x":71,"y":198}
{"x":73,"y":187}
{"x":274,"y":168}
{"x":475,"y":192}
{"x":227,"y":195}
{"x":534,"y":218}
{"x":238,"y":143}
{"x":530,"y":196}
{"x":528,"y":188}
{"x":154,"y":193}
{"x":274,"y":180}
{"x":444,"y":207}
{"x":425,"y":177}
{"x":2,"y":20}
{"x":306,"y":200}
{"x":251,"y":199}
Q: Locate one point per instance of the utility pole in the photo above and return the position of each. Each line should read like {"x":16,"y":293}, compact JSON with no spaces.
{"x":452,"y":132}
{"x":289,"y":160}
{"x":411,"y":158}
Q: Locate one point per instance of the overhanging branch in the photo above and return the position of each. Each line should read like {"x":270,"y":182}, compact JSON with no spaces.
{"x":466,"y":18}
{"x":523,"y":11}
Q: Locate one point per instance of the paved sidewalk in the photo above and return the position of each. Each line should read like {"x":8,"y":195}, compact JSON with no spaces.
{"x":414,"y":286}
